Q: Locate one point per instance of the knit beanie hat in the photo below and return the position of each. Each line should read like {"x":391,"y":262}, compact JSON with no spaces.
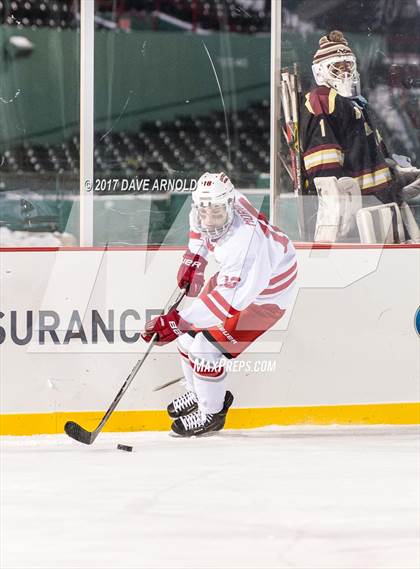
{"x":332,"y":45}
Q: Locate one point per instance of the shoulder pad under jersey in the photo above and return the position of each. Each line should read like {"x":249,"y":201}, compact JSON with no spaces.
{"x":321,"y":101}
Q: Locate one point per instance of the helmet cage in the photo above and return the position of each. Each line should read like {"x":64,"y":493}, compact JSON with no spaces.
{"x":213,"y":190}
{"x":216,"y":232}
{"x":346,"y":83}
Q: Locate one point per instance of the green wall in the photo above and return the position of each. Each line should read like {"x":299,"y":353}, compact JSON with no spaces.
{"x":43,"y":87}
{"x":138,"y":76}
{"x":141,"y":75}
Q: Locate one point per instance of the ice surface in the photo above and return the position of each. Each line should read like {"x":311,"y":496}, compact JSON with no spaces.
{"x":301,"y":497}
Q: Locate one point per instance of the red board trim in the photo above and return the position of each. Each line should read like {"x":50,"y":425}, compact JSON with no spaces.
{"x":300,"y":246}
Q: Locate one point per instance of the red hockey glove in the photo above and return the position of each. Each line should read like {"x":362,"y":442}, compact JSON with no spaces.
{"x":191,"y":273}
{"x":168,"y":327}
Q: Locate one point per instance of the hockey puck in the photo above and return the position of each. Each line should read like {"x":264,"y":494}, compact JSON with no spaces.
{"x":125,"y":447}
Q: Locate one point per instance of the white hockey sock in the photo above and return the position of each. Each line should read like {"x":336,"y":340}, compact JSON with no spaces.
{"x":210,"y":392}
{"x":209,"y":374}
{"x":184,"y":344}
{"x":188,"y":381}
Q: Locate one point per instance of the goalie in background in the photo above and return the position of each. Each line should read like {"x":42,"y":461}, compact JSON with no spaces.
{"x":250,"y":292}
{"x":345,"y":159}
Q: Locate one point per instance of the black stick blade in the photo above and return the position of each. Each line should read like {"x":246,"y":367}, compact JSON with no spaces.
{"x":78,"y":433}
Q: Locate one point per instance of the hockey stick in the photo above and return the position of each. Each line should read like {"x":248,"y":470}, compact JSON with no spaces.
{"x":168,"y":383}
{"x":75,"y":431}
{"x":291,"y":93}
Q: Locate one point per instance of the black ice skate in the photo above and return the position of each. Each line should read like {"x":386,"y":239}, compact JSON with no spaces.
{"x":183,"y":405}
{"x":197,"y":423}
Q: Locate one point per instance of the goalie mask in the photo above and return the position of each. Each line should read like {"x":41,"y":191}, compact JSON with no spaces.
{"x":212,"y":204}
{"x":335,"y":65}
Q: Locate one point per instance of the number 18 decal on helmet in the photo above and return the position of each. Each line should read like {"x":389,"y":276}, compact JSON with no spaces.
{"x":213,"y":202}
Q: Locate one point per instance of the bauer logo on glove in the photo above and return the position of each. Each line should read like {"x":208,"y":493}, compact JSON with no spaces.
{"x":167,"y":327}
{"x":191,"y":263}
{"x":191,"y":273}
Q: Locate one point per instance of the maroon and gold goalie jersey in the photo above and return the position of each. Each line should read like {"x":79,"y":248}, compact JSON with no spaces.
{"x":339,"y":139}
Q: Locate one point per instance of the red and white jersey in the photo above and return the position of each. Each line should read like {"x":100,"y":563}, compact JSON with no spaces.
{"x":257,"y":265}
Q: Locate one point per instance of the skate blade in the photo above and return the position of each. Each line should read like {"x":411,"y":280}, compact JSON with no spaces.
{"x":209,"y":434}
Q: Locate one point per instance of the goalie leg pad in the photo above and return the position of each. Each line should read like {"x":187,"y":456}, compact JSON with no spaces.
{"x":338,"y":202}
{"x":380,"y":224}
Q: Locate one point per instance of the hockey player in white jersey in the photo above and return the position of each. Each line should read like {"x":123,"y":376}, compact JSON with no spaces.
{"x":247,"y":296}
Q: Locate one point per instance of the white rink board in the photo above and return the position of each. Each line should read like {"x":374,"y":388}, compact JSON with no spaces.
{"x":349,"y":339}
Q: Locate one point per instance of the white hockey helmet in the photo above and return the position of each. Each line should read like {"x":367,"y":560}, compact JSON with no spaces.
{"x":335,"y":65}
{"x":212,"y":204}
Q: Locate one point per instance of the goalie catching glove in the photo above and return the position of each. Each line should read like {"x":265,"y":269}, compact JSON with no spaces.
{"x":191,"y":273}
{"x":167,"y":327}
{"x":406,"y":175}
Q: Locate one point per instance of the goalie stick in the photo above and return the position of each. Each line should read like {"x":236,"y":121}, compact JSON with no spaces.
{"x":77,"y":432}
{"x":291,"y":94}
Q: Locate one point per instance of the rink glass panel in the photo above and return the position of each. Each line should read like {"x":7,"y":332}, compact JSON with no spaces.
{"x":170,"y":104}
{"x":385,"y":36}
{"x":39,"y":135}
